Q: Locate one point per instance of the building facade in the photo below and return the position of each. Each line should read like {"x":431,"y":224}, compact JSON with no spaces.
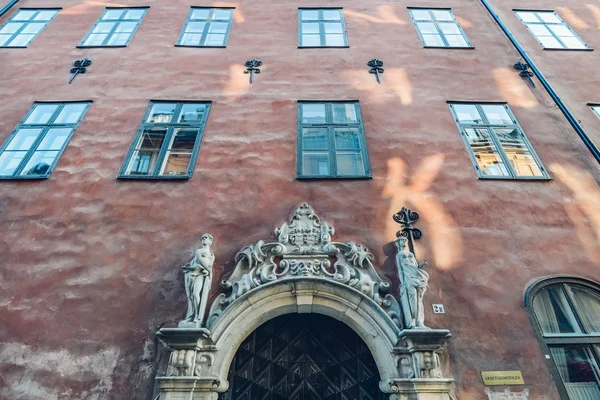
{"x":110,"y":179}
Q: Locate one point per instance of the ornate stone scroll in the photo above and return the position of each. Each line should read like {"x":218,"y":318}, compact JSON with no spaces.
{"x":304,"y":249}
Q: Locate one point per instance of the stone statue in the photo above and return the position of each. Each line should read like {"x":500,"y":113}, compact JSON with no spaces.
{"x":413,"y":285}
{"x":198,"y":279}
{"x":429,"y":365}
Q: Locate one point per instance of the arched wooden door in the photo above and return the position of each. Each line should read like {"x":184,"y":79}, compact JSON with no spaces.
{"x":303,"y":357}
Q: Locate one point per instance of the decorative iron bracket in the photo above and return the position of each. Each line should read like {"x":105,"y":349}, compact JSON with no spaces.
{"x":376,"y":68}
{"x":79,"y":68}
{"x":252,"y":68}
{"x":406,"y":217}
{"x":525,"y":72}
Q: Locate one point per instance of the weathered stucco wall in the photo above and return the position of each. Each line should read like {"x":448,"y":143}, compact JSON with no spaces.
{"x":90,"y":266}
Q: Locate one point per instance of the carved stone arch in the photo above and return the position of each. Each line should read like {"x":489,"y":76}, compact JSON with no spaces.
{"x":304,"y":271}
{"x":307,"y":295}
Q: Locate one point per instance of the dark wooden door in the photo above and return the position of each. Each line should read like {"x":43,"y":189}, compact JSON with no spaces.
{"x":303,"y":357}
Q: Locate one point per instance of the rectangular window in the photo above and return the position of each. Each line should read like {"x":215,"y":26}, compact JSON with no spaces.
{"x":331,"y":142}
{"x":115,"y":27}
{"x":321,"y":27}
{"x":168,"y":141}
{"x":438,"y":28}
{"x":25,"y":25}
{"x":206,"y":27}
{"x":496,"y":142}
{"x":550,"y":30}
{"x":34,"y":147}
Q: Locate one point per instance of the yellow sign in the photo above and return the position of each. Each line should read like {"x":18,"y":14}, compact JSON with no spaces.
{"x":495,"y":378}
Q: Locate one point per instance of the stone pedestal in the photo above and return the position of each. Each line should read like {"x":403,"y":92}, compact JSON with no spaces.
{"x":420,"y":365}
{"x":185,"y":388}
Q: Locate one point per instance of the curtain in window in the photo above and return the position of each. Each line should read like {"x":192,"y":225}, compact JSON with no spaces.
{"x":578,"y":372}
{"x":589,"y":307}
{"x":553,"y":311}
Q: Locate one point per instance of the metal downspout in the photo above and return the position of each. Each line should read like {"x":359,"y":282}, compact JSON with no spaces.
{"x":563,"y":108}
{"x":7,"y":7}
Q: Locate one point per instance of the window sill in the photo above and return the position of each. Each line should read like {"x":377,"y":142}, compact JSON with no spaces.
{"x":551,"y":49}
{"x":154,"y":178}
{"x":323,"y":47}
{"x":13,"y":47}
{"x":100,"y":47}
{"x":202,"y":47}
{"x":24,"y":178}
{"x":307,"y":178}
{"x":510,"y":178}
{"x":450,"y":47}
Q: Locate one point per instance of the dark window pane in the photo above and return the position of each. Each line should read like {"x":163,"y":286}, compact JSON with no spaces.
{"x":313,"y":113}
{"x":39,"y":163}
{"x":183,"y":139}
{"x":162,"y":113}
{"x":315,"y":139}
{"x":554,"y":312}
{"x":315,"y":164}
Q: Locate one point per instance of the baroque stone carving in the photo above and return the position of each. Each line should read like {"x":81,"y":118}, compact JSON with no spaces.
{"x":507,"y":395}
{"x":428,"y":364}
{"x":198,"y":279}
{"x":413,"y":285}
{"x":304,"y":249}
{"x":185,"y":362}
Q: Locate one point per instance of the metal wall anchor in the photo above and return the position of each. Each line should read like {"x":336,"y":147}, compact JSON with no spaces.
{"x":80,"y":68}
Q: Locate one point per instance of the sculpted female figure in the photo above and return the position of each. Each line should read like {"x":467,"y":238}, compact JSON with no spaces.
{"x":413,"y":285}
{"x":198,"y":279}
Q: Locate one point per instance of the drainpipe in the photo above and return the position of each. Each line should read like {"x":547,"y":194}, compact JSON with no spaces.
{"x":7,"y":7}
{"x":582,"y":134}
